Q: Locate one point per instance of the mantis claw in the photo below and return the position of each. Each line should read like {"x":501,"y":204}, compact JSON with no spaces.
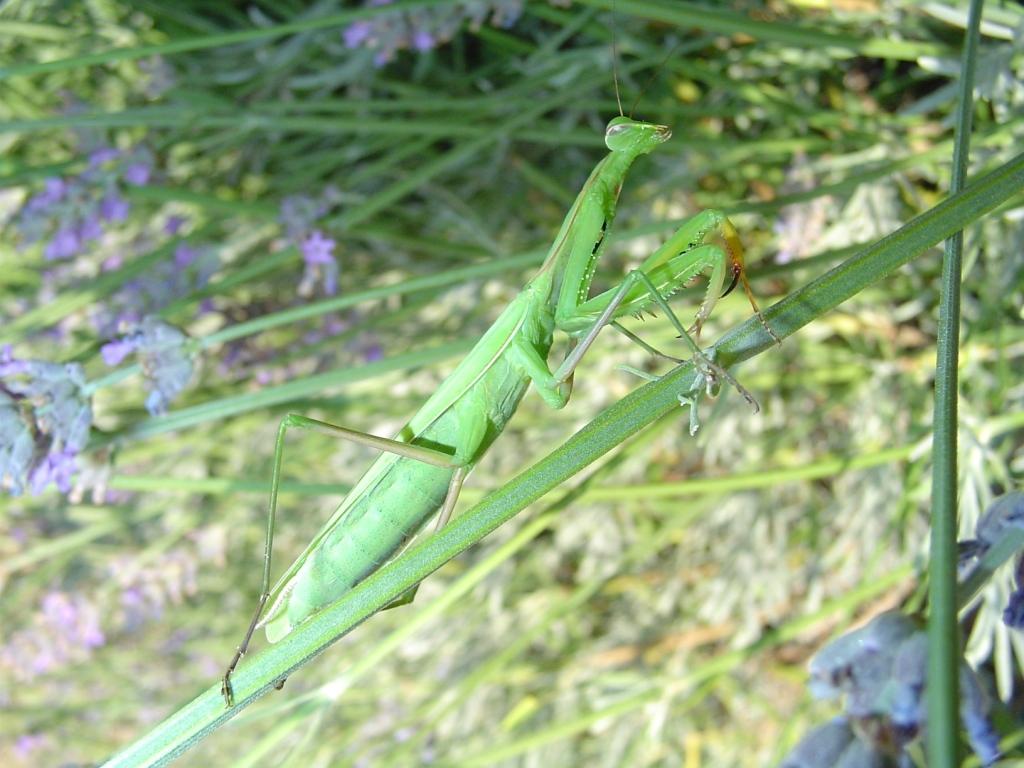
{"x":688,"y":399}
{"x":711,"y":373}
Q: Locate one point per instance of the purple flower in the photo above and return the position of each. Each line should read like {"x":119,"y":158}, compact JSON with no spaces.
{"x":64,"y":244}
{"x":357,"y":33}
{"x":58,"y":610}
{"x":317,"y":249}
{"x":128,"y":317}
{"x":882,"y":668}
{"x":983,"y":737}
{"x":44,"y":659}
{"x":51,"y":195}
{"x":423,"y":40}
{"x":975,"y":713}
{"x":102,"y":156}
{"x":174,"y":224}
{"x":186,"y":269}
{"x":74,"y":618}
{"x":28,"y":743}
{"x":114,"y":352}
{"x":56,"y":468}
{"x":70,"y":212}
{"x":320,"y":269}
{"x":333,"y":325}
{"x":1013,"y":615}
{"x":422,"y":30}
{"x":55,"y":189}
{"x":147,"y":587}
{"x":9,"y":365}
{"x":114,"y":207}
{"x":65,"y":629}
{"x":90,"y":228}
{"x":299,"y":214}
{"x":373,"y":353}
{"x":184,"y":255}
{"x":137,"y":174}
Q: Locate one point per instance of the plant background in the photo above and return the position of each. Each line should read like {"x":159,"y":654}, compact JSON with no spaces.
{"x":666,"y":615}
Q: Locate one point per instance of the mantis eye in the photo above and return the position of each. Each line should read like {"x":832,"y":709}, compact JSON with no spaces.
{"x":624,"y":133}
{"x":618,"y":133}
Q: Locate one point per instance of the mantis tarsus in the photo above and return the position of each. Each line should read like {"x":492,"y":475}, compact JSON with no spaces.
{"x":421,"y":471}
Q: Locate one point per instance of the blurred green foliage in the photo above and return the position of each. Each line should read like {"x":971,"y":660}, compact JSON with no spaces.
{"x":665,"y":616}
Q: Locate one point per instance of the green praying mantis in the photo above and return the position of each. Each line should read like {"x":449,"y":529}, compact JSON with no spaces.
{"x":421,"y":471}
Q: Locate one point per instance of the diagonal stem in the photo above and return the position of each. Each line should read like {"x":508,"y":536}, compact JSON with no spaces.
{"x":609,"y":429}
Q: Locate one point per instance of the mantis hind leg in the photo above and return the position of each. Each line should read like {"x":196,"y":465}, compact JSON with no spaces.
{"x":427,"y":455}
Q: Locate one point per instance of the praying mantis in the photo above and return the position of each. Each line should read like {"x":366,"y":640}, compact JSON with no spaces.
{"x":421,"y":471}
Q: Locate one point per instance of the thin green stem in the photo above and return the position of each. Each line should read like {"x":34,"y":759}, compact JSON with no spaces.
{"x":688,"y":15}
{"x":943,"y":742}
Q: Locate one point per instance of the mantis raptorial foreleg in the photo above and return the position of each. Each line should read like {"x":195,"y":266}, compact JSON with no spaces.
{"x":682,"y":257}
{"x":407,"y":450}
{"x":686,"y":254}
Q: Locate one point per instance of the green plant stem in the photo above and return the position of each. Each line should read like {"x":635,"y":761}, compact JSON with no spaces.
{"x":943,"y":742}
{"x":729,"y":22}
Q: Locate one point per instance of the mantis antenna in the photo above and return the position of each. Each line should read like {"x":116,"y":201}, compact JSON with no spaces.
{"x":615,"y":66}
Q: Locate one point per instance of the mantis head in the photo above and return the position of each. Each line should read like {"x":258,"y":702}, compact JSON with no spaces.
{"x":627,"y":135}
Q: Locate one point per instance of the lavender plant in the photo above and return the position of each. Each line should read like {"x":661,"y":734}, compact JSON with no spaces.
{"x":423,"y":29}
{"x":45,"y":413}
{"x":300,"y":217}
{"x":71,"y":213}
{"x":881,"y":670}
{"x":187,"y":271}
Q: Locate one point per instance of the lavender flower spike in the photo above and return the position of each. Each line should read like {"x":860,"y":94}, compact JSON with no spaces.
{"x":16,"y":445}
{"x":45,"y":417}
{"x":165,"y":361}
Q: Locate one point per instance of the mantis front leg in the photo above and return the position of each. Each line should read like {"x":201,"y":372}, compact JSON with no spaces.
{"x":707,"y":243}
{"x":681,"y":258}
